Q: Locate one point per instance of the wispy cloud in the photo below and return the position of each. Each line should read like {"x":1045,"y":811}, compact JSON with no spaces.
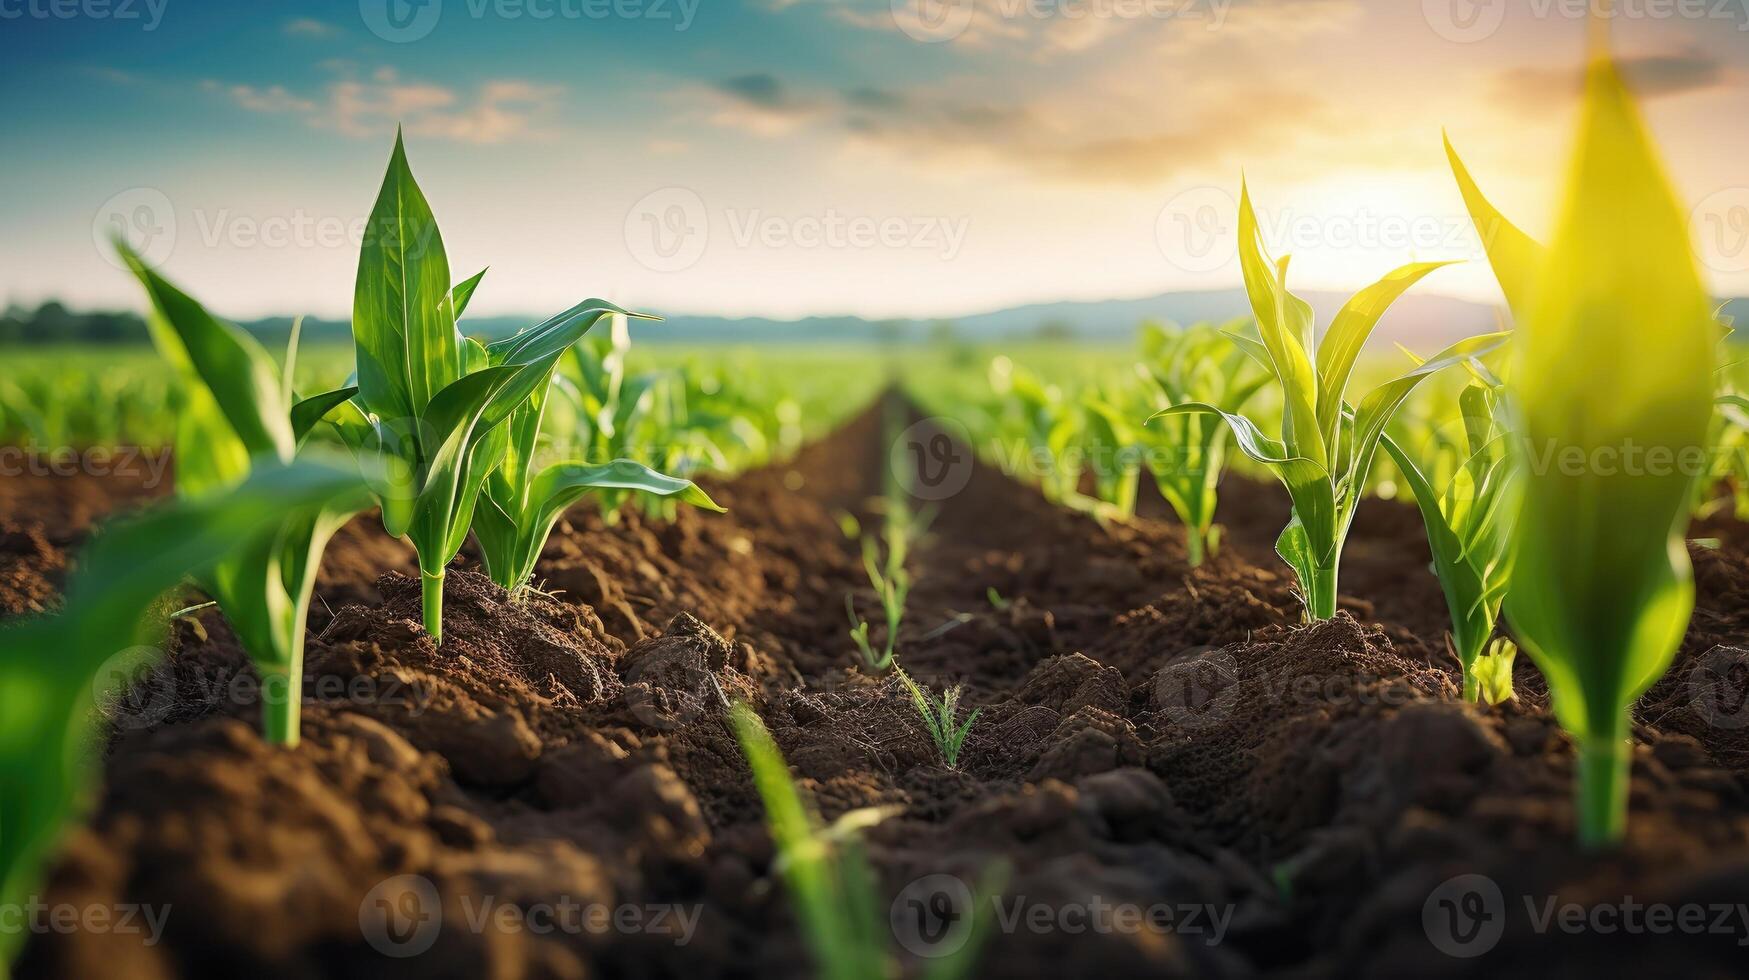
{"x":1043,"y":30}
{"x":496,"y":111}
{"x":309,"y":27}
{"x":1536,"y":89}
{"x":1054,"y":141}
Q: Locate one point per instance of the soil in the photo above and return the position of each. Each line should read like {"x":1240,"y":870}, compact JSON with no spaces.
{"x":1300,"y":800}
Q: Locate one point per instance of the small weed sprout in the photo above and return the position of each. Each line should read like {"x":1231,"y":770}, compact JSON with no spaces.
{"x":941,"y":717}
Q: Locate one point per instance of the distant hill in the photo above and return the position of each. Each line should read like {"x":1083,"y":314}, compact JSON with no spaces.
{"x":1421,"y":322}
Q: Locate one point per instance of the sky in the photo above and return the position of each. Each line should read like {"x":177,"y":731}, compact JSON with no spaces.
{"x":886,"y":158}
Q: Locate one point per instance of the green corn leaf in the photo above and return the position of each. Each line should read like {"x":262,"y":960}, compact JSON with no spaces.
{"x":464,"y":292}
{"x":50,"y":666}
{"x":1617,"y":352}
{"x":1348,"y":334}
{"x":819,"y":883}
{"x":403,"y":322}
{"x":1515,"y":257}
{"x":1381,"y":403}
{"x":242,"y":377}
{"x":309,"y":412}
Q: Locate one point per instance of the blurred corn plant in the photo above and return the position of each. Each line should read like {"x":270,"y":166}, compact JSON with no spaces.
{"x":1465,"y":483}
{"x":832,"y":888}
{"x":237,"y":411}
{"x":1187,"y":454}
{"x":1616,"y":351}
{"x":55,"y":669}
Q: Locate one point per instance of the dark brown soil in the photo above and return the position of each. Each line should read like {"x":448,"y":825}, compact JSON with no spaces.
{"x":1301,"y":800}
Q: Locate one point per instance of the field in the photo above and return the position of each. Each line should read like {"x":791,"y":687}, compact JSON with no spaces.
{"x":1252,"y":648}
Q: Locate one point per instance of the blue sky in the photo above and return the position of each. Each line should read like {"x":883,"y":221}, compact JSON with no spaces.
{"x":789,"y":157}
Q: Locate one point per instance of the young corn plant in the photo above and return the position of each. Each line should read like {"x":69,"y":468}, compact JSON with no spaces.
{"x":239,"y":412}
{"x":940,"y":716}
{"x":1616,"y":355}
{"x":1187,"y":453}
{"x":519,"y":504}
{"x":1469,"y":531}
{"x":1326,"y":448}
{"x":54,"y":669}
{"x":1113,"y":454}
{"x":433,"y":405}
{"x":826,"y":872}
{"x":890,"y":579}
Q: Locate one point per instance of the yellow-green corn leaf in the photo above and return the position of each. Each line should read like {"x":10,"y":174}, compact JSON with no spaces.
{"x":1284,"y":323}
{"x":1516,"y":258}
{"x":1348,"y":334}
{"x":1614,"y":384}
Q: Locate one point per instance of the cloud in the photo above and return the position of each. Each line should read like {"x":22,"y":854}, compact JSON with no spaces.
{"x":495,"y":111}
{"x":1048,"y":29}
{"x":274,"y":98}
{"x":309,"y":27}
{"x":761,"y":103}
{"x":1062,"y":141}
{"x":1535,"y":89}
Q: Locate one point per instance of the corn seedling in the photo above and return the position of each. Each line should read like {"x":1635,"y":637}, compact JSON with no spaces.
{"x":826,"y":872}
{"x":238,"y":411}
{"x":1326,"y":447}
{"x":1469,"y":528}
{"x":1187,"y":453}
{"x":55,"y":669}
{"x":433,"y":404}
{"x":940,"y":716}
{"x":891,"y":582}
{"x":1617,"y":354}
{"x":518,"y":506}
{"x":1113,"y":455}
